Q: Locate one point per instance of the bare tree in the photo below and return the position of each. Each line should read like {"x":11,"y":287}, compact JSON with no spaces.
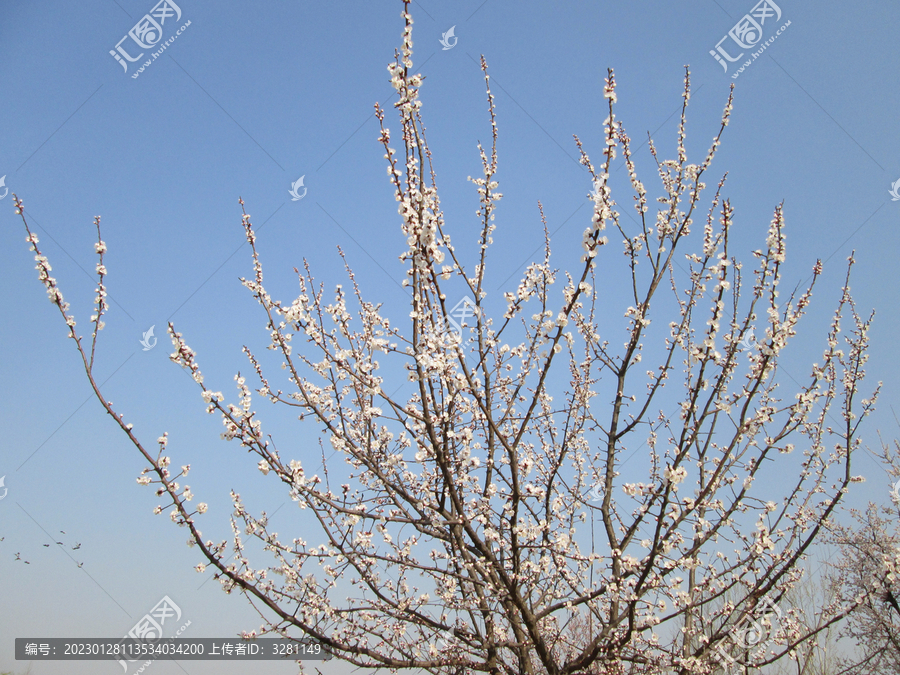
{"x":473,"y":517}
{"x":867,"y":573}
{"x":822,"y":654}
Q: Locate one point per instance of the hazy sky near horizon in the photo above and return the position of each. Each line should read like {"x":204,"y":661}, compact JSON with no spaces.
{"x":245,"y":101}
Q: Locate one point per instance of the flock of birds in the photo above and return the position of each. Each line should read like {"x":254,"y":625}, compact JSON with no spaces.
{"x":76,"y":547}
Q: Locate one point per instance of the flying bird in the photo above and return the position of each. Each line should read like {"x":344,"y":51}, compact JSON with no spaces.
{"x":76,"y":547}
{"x":46,"y":545}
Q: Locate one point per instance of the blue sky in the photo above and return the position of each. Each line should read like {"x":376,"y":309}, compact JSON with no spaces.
{"x":249,"y":98}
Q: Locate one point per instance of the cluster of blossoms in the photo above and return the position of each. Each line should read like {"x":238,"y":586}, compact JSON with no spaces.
{"x":475,"y":514}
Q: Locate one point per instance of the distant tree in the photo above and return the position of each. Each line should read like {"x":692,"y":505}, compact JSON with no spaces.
{"x":867,"y":573}
{"x":822,"y":654}
{"x":474,"y":518}
{"x":9,"y":672}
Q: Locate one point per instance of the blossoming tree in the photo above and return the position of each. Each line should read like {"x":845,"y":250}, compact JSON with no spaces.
{"x":868,"y":573}
{"x":486,"y":520}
